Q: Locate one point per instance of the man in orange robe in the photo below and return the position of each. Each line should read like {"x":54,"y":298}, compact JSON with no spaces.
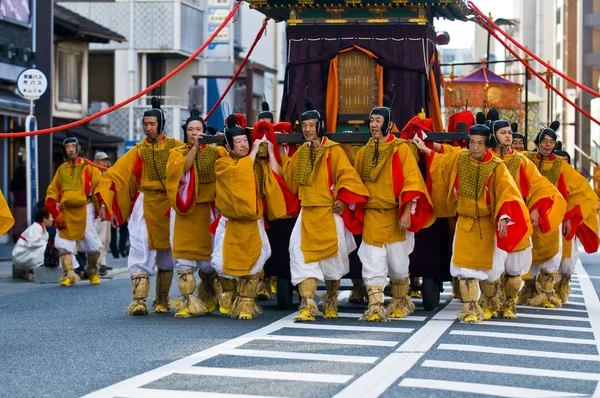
{"x":328,"y":188}
{"x":398,"y":206}
{"x":546,"y":206}
{"x":247,"y":191}
{"x":134,"y":188}
{"x":191,"y":190}
{"x":492,"y":217}
{"x":69,"y":199}
{"x":579,"y":219}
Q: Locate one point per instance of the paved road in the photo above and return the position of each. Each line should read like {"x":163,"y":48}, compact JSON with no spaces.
{"x":72,"y":342}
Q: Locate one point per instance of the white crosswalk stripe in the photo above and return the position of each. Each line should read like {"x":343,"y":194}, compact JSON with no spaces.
{"x":418,"y":354}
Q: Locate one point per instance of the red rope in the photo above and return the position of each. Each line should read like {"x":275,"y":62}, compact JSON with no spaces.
{"x":94,"y":164}
{"x":532,"y":70}
{"x":239,"y":70}
{"x":528,"y":52}
{"x":138,"y":95}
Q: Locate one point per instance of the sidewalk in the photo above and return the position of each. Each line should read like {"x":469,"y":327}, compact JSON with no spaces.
{"x":10,"y":285}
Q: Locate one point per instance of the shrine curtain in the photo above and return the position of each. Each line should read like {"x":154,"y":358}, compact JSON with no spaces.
{"x":403,"y":51}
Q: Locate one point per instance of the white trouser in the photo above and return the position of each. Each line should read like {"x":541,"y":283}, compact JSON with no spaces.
{"x":26,"y":259}
{"x":332,"y":268}
{"x":90,"y":243}
{"x":567,"y":266}
{"x":219,"y":240}
{"x":182,"y":264}
{"x":518,"y":263}
{"x":141,"y":258}
{"x":103,"y":229}
{"x":551,"y":265}
{"x":391,"y":258}
{"x":498,"y":261}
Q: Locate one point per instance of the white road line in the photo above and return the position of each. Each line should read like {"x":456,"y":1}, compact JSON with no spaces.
{"x":534,"y":326}
{"x":588,"y":277}
{"x":377,"y":380}
{"x":266,"y":374}
{"x":516,"y":336}
{"x":328,"y":340}
{"x":576,"y":295}
{"x":499,"y":391}
{"x":306,"y":356}
{"x":577,"y":303}
{"x":358,"y":315}
{"x":528,"y":307}
{"x":481,"y":367}
{"x":156,"y":393}
{"x":116,"y":390}
{"x":517,"y":352}
{"x":593,"y":306}
{"x":318,"y":326}
{"x":553,"y":317}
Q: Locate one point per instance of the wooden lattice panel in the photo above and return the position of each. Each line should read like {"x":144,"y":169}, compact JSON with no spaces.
{"x":357,"y":83}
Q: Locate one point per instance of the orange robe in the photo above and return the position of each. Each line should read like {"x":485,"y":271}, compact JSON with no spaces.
{"x":581,"y":204}
{"x":537,"y":192}
{"x":193,"y":203}
{"x":72,"y":187}
{"x":143,"y":168}
{"x":246,"y":191}
{"x":480,"y":193}
{"x":393,"y":182}
{"x":319,"y":179}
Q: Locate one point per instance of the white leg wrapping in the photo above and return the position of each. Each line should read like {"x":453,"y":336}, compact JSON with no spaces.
{"x":141,"y":258}
{"x":374,"y":264}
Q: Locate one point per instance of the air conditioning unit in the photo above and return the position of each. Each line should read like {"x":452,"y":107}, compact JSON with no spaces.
{"x":99,"y":107}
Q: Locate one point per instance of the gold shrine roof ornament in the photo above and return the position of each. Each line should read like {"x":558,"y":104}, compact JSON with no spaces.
{"x":296,"y":12}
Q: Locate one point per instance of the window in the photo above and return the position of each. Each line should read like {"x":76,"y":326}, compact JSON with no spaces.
{"x":69,"y":76}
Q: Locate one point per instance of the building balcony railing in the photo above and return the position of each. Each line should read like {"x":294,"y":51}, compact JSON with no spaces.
{"x":159,"y":25}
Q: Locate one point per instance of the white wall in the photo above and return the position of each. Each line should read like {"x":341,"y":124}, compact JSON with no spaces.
{"x":178,"y":85}
{"x":121,"y":76}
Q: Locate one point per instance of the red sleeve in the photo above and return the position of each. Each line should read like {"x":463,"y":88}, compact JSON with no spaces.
{"x":353,"y":219}
{"x":588,"y":238}
{"x":543,"y":206}
{"x":292,"y":205}
{"x":115,"y":206}
{"x":562,"y":187}
{"x":138,"y":169}
{"x":423,"y":211}
{"x":213,"y":226}
{"x":516,"y":231}
{"x":184,"y":204}
{"x":87,"y":182}
{"x":524,"y":181}
{"x":51,"y":207}
{"x":576,"y":218}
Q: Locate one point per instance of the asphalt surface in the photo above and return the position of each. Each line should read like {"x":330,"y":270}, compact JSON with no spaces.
{"x":71,"y":342}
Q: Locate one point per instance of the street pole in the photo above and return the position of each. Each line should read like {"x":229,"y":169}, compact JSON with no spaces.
{"x":31,"y":164}
{"x":526,"y":105}
{"x":44,"y":60}
{"x":131,"y":68}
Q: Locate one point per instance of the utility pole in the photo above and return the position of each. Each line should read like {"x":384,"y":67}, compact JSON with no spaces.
{"x":44,"y":60}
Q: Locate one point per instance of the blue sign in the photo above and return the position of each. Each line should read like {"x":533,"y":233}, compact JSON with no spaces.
{"x":129,"y":145}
